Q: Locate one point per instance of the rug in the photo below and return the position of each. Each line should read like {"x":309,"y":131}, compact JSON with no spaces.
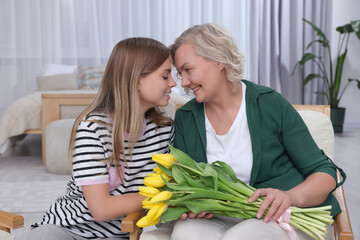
{"x":26,"y":186}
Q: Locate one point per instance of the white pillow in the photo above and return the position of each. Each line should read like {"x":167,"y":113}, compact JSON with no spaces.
{"x":57,"y":82}
{"x":54,"y":69}
{"x":321,"y":130}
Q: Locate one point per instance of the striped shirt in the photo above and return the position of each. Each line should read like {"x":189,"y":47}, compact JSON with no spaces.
{"x":92,"y":146}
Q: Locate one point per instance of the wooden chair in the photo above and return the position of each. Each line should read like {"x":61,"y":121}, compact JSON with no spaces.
{"x":342,"y":225}
{"x":9,"y":221}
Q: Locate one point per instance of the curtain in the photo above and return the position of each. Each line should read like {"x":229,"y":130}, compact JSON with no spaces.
{"x":270,"y":34}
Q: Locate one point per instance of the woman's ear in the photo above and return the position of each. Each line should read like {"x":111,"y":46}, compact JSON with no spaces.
{"x":220,"y":66}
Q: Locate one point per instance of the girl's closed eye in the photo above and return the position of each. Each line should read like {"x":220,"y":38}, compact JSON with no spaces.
{"x":165,"y":77}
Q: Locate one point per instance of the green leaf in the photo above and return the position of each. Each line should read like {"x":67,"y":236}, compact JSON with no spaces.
{"x":315,"y":41}
{"x":319,"y":33}
{"x":173,"y":213}
{"x":310,"y":77}
{"x":307,"y":57}
{"x":356,"y":27}
{"x":207,"y":205}
{"x":165,"y":170}
{"x":210,"y":172}
{"x":178,"y":187}
{"x":338,"y":73}
{"x":183,"y":158}
{"x":207,"y":194}
{"x":355,"y":80}
{"x":321,"y":93}
{"x":194,"y":183}
{"x":178,"y":175}
{"x":347,"y":28}
{"x":228,"y":169}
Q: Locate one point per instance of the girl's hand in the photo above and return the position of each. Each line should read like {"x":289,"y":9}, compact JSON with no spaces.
{"x":186,"y":215}
{"x":278,"y":201}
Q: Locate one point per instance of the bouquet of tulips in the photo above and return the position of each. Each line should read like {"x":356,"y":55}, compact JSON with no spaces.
{"x":181,"y":185}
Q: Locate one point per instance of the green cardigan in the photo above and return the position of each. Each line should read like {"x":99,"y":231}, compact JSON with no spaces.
{"x":284,"y":153}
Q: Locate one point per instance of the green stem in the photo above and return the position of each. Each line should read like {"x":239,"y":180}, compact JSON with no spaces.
{"x":189,"y":168}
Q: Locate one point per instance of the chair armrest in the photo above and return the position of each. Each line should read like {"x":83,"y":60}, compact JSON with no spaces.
{"x":129,"y":224}
{"x":10,"y":221}
{"x":342,"y":221}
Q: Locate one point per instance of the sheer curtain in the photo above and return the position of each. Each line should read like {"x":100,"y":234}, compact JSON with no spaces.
{"x":270,"y":34}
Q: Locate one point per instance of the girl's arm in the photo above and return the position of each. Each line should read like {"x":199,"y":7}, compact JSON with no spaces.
{"x":105,"y":207}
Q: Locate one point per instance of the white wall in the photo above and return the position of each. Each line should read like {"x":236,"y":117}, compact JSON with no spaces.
{"x":343,"y":12}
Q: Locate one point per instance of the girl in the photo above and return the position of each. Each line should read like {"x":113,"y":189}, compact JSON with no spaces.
{"x":112,"y":144}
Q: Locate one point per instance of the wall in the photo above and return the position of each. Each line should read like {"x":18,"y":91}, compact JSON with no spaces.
{"x":343,"y":11}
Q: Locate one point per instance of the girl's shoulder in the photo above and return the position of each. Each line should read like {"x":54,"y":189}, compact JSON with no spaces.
{"x":94,"y":121}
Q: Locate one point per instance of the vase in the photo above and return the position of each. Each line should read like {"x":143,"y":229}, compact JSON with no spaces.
{"x":337,"y":116}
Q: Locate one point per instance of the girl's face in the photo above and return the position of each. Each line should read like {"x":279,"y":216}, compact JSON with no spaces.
{"x":155,"y":88}
{"x":202,"y":76}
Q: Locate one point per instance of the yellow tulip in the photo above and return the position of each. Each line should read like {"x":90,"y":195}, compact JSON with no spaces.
{"x":158,"y":170}
{"x":148,"y":191}
{"x":161,"y":197}
{"x":166,"y":160}
{"x":156,"y":211}
{"x":154,"y":181}
{"x":146,"y":204}
{"x":143,"y":222}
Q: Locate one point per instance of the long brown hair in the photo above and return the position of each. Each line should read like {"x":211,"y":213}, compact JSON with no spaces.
{"x":130,"y":60}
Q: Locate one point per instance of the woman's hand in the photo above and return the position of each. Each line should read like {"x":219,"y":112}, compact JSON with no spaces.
{"x":277,"y":200}
{"x":186,"y":215}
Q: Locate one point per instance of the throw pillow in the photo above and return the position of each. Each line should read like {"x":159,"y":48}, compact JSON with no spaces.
{"x":54,"y":69}
{"x":90,"y":76}
{"x":57,"y":82}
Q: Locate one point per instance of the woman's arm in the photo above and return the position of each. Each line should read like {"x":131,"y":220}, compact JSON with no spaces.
{"x":104,"y":207}
{"x":312,"y":192}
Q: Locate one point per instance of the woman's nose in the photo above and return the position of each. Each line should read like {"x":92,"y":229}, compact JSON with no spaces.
{"x":185,"y":82}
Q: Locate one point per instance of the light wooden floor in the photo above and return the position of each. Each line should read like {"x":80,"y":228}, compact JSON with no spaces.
{"x":347,"y":157}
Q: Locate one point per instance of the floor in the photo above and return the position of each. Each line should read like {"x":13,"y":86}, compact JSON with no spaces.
{"x":25,"y":158}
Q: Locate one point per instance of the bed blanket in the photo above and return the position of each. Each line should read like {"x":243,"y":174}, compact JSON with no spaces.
{"x":25,"y":114}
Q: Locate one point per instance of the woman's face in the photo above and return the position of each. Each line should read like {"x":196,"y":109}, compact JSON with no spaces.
{"x":200,"y":75}
{"x":155,"y":88}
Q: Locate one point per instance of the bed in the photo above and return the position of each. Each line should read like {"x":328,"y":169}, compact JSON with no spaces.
{"x":63,"y":92}
{"x":31,"y":113}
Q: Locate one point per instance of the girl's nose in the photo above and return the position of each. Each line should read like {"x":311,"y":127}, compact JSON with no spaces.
{"x":172,"y":82}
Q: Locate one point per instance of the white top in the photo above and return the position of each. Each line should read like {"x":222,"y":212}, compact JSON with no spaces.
{"x":235,"y":146}
{"x":92,"y":146}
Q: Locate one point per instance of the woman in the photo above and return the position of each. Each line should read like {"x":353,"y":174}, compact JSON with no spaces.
{"x":253,"y":129}
{"x":112,"y":144}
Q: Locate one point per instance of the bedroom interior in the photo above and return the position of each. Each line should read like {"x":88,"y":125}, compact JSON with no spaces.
{"x":62,"y":65}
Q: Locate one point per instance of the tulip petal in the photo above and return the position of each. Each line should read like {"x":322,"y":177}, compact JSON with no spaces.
{"x":143,"y":222}
{"x":161,"y":197}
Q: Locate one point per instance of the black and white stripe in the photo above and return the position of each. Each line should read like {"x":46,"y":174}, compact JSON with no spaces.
{"x":92,"y":146}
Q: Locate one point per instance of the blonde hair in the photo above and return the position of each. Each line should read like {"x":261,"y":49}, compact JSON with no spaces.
{"x":118,"y":94}
{"x":213,"y":43}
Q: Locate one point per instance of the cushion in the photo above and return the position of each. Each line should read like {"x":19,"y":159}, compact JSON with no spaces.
{"x":90,"y":76}
{"x":57,"y":139}
{"x":57,"y":82}
{"x":321,"y":130}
